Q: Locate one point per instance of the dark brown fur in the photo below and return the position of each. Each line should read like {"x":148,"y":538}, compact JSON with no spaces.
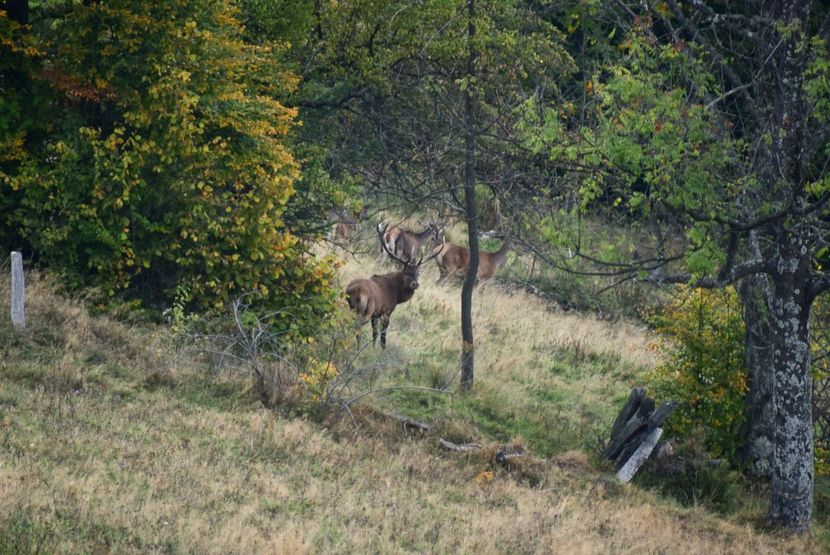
{"x":377,"y":297}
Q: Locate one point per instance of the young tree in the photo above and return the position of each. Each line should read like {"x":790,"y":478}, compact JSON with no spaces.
{"x":424,"y":98}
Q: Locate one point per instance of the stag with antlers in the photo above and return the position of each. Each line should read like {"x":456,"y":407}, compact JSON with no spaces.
{"x":375,"y":298}
{"x":406,"y":244}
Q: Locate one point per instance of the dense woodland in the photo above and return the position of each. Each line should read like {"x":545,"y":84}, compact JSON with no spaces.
{"x":196,"y":155}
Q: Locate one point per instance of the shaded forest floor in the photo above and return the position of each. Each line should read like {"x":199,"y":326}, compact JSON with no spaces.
{"x":112,"y":440}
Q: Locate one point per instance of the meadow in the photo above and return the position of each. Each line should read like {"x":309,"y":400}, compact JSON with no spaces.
{"x":114,"y":438}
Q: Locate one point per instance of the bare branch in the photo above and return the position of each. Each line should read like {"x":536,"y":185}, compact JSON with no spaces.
{"x":725,"y":277}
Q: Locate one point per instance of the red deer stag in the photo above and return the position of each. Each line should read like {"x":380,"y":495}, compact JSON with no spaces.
{"x":453,"y":261}
{"x":345,"y":225}
{"x":405,"y":244}
{"x":375,"y":298}
{"x":388,"y":239}
{"x":409,"y":243}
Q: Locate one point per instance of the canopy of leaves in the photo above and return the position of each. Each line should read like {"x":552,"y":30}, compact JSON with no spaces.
{"x":384,"y":84}
{"x":157,"y":156}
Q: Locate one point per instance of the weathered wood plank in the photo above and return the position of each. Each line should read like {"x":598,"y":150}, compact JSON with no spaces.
{"x":659,"y":416}
{"x":630,"y":446}
{"x":635,"y":425}
{"x":640,"y":456}
{"x":629,"y":409}
{"x":615,"y":445}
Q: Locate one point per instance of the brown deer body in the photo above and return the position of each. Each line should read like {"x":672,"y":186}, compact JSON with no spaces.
{"x":403,"y":244}
{"x":375,"y":298}
{"x":454,"y":261}
{"x":345,"y":224}
{"x":388,"y":240}
{"x":343,"y":231}
{"x":409,"y":243}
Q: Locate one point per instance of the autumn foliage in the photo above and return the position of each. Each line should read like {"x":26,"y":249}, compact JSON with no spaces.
{"x":702,"y":348}
{"x":158,"y":157}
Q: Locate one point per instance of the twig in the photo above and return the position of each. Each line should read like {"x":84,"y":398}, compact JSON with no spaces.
{"x":407,"y":422}
{"x":463,"y":447}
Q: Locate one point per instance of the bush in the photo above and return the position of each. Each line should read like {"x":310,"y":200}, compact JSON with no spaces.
{"x":703,"y":353}
{"x":160,"y":159}
{"x":709,"y":483}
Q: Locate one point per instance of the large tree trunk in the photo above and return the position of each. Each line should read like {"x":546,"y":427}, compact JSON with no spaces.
{"x":467,"y":347}
{"x":791,"y":504}
{"x":760,"y":424}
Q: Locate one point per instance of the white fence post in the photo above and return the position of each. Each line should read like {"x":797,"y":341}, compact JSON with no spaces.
{"x":18,"y":291}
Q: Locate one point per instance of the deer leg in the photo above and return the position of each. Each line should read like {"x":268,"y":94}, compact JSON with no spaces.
{"x":358,"y":332}
{"x":384,"y":322}
{"x":375,"y":331}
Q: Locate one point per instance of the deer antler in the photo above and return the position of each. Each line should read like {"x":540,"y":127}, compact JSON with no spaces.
{"x":381,"y":231}
{"x":434,"y":250}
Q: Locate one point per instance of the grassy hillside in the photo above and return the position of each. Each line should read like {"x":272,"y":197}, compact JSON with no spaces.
{"x":114,"y":440}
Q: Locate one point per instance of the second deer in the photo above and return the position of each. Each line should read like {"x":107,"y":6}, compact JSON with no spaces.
{"x":406,"y":245}
{"x":453,"y":261}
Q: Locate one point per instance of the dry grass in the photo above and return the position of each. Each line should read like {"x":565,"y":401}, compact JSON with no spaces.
{"x":554,"y":373}
{"x":118,"y":460}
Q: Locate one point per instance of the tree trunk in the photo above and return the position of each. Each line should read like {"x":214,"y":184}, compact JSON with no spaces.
{"x":467,"y":348}
{"x":759,"y":428}
{"x":791,"y":505}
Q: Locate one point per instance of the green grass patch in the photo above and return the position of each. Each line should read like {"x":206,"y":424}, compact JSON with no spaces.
{"x":215,"y":393}
{"x":24,"y":533}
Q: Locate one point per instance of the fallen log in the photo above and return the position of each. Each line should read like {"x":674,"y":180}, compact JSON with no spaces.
{"x":506,"y":452}
{"x":409,"y":423}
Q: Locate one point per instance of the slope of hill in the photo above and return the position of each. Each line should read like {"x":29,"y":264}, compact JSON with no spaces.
{"x":112,"y":440}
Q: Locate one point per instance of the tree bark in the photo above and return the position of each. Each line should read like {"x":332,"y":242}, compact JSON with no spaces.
{"x":791,"y":503}
{"x":759,"y":428}
{"x":467,"y":346}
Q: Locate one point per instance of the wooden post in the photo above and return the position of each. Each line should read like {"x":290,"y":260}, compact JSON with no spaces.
{"x":530,"y":273}
{"x":18,"y":292}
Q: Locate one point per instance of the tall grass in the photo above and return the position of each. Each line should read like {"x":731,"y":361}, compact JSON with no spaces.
{"x":111,"y":441}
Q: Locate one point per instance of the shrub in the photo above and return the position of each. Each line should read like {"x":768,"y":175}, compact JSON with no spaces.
{"x":702,"y":348}
{"x":160,"y":159}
